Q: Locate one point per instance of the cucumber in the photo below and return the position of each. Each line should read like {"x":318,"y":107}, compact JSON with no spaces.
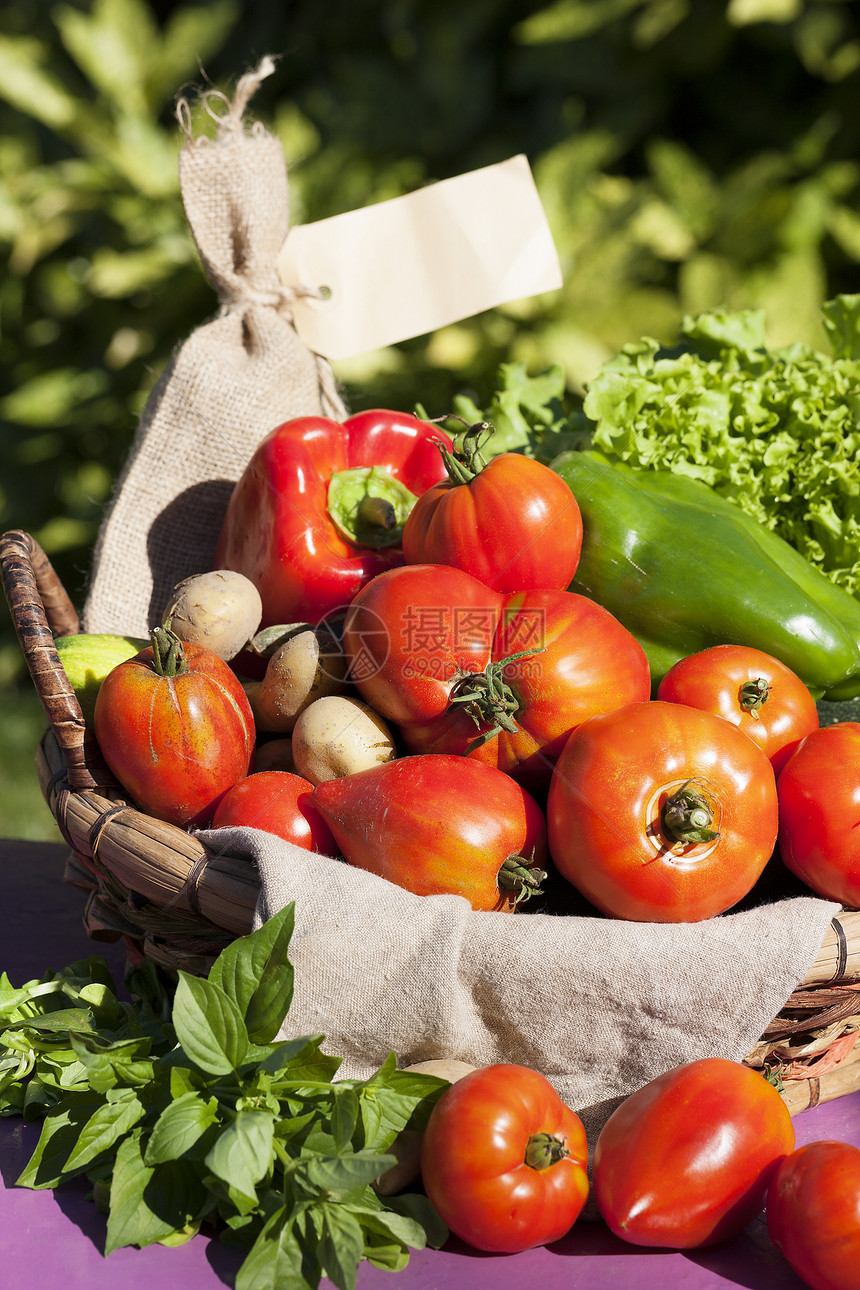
{"x":88,"y":657}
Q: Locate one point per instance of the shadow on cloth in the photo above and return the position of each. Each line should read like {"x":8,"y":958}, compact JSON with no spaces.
{"x":187,"y":526}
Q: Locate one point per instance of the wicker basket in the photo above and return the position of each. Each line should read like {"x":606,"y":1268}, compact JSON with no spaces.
{"x":176,"y":903}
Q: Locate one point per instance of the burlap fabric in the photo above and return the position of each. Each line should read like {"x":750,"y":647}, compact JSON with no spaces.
{"x":233,"y":380}
{"x":598,"y":1006}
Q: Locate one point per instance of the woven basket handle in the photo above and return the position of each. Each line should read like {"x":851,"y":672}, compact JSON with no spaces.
{"x":41,"y":609}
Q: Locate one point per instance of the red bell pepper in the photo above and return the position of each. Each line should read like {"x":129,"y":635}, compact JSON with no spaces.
{"x":320,"y":508}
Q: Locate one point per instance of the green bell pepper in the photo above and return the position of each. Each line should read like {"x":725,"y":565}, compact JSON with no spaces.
{"x":683,"y":569}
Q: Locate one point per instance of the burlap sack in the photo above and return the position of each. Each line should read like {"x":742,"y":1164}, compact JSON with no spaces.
{"x":598,"y":1006}
{"x":232,"y":381}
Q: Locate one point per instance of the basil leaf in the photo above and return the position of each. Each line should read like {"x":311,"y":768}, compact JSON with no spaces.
{"x":39,"y":1097}
{"x":60,"y":1022}
{"x":130,"y":1220}
{"x":112,"y":1121}
{"x":57,"y":1140}
{"x":417,"y":1206}
{"x":295,"y":1057}
{"x":183,"y":1081}
{"x":180,"y":1125}
{"x":390,"y":1258}
{"x":275,"y":1261}
{"x":242,"y":1153}
{"x":344,"y":1172}
{"x":177,"y":1195}
{"x":392,"y":1100}
{"x":255,"y":973}
{"x":209,"y":1026}
{"x":400,"y":1227}
{"x":341,"y":1245}
{"x":344,"y":1115}
{"x":111,"y":1062}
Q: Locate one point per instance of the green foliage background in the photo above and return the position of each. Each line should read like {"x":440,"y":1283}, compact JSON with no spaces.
{"x":689,"y":153}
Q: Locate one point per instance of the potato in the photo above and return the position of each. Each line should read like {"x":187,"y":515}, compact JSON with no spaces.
{"x":406,"y":1147}
{"x":275,"y":754}
{"x":448,"y":1068}
{"x":337,"y":736}
{"x":306,"y":664}
{"x":220,"y":610}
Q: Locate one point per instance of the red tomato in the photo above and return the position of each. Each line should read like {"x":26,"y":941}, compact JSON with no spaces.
{"x":753,"y":690}
{"x":813,"y":1214}
{"x":819,"y":811}
{"x":686,"y":1160}
{"x":277,"y":802}
{"x":503,"y":1160}
{"x":661,"y":813}
{"x":512,"y":522}
{"x":175,"y":727}
{"x":429,"y":648}
{"x":437,"y":824}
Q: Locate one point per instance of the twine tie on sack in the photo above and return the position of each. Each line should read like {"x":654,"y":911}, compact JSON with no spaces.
{"x":231,"y":121}
{"x":241,"y":293}
{"x":280,"y":297}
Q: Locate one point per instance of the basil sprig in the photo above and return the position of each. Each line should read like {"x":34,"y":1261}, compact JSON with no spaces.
{"x":185,"y":1112}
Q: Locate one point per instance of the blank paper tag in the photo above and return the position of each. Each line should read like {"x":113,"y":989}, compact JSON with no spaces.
{"x":411,"y":265}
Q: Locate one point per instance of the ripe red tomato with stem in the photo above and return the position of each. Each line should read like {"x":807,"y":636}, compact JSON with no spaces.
{"x":438,"y":824}
{"x":175,"y":728}
{"x":813,"y":1214}
{"x":686,"y":1160}
{"x":278,"y":802}
{"x":509,"y":521}
{"x":502,"y":679}
{"x":819,"y":812}
{"x":750,"y":688}
{"x":503,"y":1160}
{"x":661,"y":813}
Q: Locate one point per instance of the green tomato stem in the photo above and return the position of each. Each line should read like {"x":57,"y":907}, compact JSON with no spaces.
{"x":464,"y":459}
{"x":168,"y":656}
{"x":687,"y":816}
{"x":488,"y":698}
{"x":753,"y":694}
{"x":518,"y":875}
{"x":544,"y":1150}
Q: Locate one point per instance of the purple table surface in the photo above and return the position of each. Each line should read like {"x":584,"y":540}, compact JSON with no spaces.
{"x":51,"y":1239}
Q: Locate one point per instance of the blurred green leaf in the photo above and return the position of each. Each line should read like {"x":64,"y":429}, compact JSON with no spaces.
{"x":29,"y":86}
{"x":571,"y":19}
{"x":112,"y":44}
{"x":191,"y":35}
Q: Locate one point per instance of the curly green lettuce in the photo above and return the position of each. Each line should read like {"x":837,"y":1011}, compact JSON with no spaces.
{"x":776,"y":431}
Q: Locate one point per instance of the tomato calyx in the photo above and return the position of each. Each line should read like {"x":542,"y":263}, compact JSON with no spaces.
{"x":368,"y":506}
{"x":752,"y":694}
{"x":519,"y":875}
{"x":168,"y":656}
{"x":687,"y":815}
{"x":544,"y":1150}
{"x":488,"y":698}
{"x":464,"y":459}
